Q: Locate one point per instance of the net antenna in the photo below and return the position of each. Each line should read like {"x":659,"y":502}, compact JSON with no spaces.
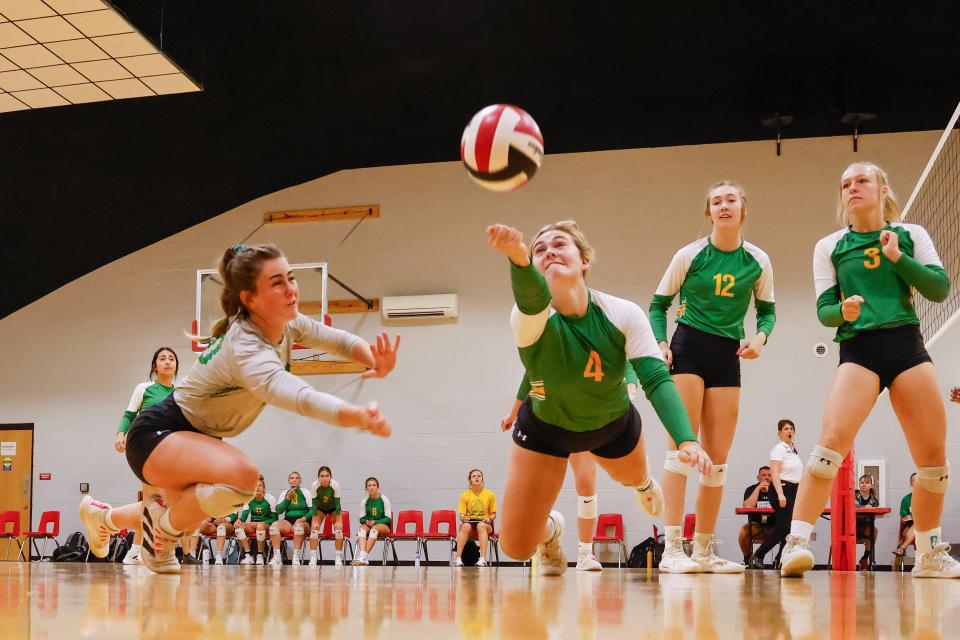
{"x":935,"y":205}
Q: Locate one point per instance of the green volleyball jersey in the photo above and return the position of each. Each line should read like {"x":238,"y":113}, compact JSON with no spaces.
{"x":296,"y":507}
{"x":715,"y":288}
{"x":325,"y":499}
{"x":376,"y":509}
{"x":524,"y":390}
{"x":145,"y":395}
{"x":848,"y":263}
{"x":259,"y":511}
{"x":577,"y":365}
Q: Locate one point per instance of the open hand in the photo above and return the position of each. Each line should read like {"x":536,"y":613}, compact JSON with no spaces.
{"x":384,"y":357}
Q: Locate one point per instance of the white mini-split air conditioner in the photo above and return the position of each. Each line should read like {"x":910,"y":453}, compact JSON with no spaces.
{"x":415,"y":307}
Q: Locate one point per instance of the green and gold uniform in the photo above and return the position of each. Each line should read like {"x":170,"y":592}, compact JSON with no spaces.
{"x":296,"y":507}
{"x":377,"y":509}
{"x":257,"y":511}
{"x":145,"y":395}
{"x":325,"y":499}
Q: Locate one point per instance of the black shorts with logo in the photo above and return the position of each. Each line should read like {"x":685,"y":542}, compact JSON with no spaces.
{"x":148,"y":430}
{"x":714,"y":358}
{"x":614,"y":440}
{"x":886,"y":352}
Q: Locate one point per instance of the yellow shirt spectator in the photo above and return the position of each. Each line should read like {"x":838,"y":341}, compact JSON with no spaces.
{"x":474,"y":506}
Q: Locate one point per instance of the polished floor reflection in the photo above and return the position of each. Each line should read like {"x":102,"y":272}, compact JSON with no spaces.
{"x":44,"y":600}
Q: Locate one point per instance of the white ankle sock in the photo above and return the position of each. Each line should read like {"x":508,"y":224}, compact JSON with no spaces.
{"x":700,"y":541}
{"x":112,"y":528}
{"x":584,"y":549}
{"x":927,"y":540}
{"x":551,"y":529}
{"x":801,"y":529}
{"x":671,"y":532}
{"x":166,"y":528}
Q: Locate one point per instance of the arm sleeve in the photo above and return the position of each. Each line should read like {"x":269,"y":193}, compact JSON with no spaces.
{"x":668,"y":288}
{"x":245,"y":515}
{"x":532,"y":308}
{"x":904,"y":507}
{"x":314,"y":510}
{"x":310,"y":333}
{"x":387,"y":511}
{"x":363,"y":510}
{"x":826,"y":286}
{"x":282,"y":505}
{"x":631,"y":376}
{"x":524,"y":389}
{"x":660,"y":390}
{"x":257,"y":367}
{"x":930,"y":280}
{"x":336,"y":504}
{"x":132,"y":408}
{"x":763,"y":297}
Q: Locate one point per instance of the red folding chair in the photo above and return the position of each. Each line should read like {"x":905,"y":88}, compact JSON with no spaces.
{"x":405,"y":519}
{"x":48,"y":529}
{"x":11,"y":520}
{"x":689,"y":528}
{"x":606,"y":521}
{"x":326,"y":533}
{"x":437,"y":520}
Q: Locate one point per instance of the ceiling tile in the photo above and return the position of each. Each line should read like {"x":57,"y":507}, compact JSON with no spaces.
{"x":40,"y":98}
{"x":9,"y":103}
{"x":49,"y":29}
{"x":131,"y":88}
{"x":75,"y":6}
{"x":6,"y":65}
{"x":99,"y":23}
{"x":58,"y":75}
{"x":175,"y":83}
{"x":102,"y":70}
{"x":125,"y":44}
{"x":22,"y":9}
{"x":155,"y":65}
{"x":77,"y":50}
{"x":18,"y":81}
{"x":12,"y":36}
{"x":80,"y":93}
{"x":34,"y":55}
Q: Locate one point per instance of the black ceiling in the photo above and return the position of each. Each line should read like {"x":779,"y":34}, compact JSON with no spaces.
{"x":297,"y":89}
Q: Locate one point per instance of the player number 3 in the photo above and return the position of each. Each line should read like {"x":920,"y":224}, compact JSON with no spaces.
{"x":874,"y":254}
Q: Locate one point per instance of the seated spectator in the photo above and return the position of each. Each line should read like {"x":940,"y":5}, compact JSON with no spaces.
{"x":295,"y":506}
{"x":256,"y":520}
{"x":759,"y":525}
{"x":866,"y":496}
{"x":326,"y":505}
{"x":219,"y":528}
{"x":376,"y":516}
{"x":477,"y":509}
{"x":907,"y":534}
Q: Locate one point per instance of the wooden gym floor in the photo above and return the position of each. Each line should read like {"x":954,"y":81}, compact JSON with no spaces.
{"x":45,"y":600}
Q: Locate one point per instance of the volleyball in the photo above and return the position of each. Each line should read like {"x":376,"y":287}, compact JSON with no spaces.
{"x":502,"y":147}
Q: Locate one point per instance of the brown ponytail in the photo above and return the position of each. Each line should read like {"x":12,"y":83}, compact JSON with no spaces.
{"x":239,"y":269}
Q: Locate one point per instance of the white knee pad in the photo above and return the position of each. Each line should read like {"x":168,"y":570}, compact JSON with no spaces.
{"x":274,"y":530}
{"x":362,"y":534}
{"x":373,"y":534}
{"x":314,"y":534}
{"x":934,"y":479}
{"x":221,"y":530}
{"x":218,"y":500}
{"x":824,"y":463}
{"x":673,"y":463}
{"x":239,"y":532}
{"x":298,"y":529}
{"x":587,"y":507}
{"x":338,"y":532}
{"x":261,"y":535}
{"x":716,"y":478}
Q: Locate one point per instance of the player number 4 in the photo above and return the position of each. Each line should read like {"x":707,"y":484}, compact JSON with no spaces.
{"x":594,"y":367}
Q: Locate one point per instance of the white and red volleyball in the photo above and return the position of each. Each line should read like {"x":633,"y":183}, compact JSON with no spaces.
{"x":502,"y":147}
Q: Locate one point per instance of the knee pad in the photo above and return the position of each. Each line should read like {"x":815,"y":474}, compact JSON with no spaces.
{"x":716,"y":478}
{"x":673,"y":463}
{"x":587,"y":507}
{"x":299,"y":529}
{"x":373,"y":534}
{"x":218,"y":500}
{"x":239,"y":533}
{"x":221,"y":530}
{"x":261,"y":535}
{"x":362,"y":534}
{"x":934,"y":479}
{"x":824,"y":463}
{"x":274,"y":530}
{"x":338,"y":532}
{"x":315,"y":534}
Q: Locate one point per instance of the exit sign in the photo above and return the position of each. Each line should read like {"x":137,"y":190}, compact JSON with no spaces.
{"x":46,"y":476}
